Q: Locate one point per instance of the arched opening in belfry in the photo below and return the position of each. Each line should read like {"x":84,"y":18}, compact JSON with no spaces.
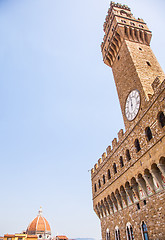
{"x":136,"y":34}
{"x":161,"y":119}
{"x":131,"y":33}
{"x":141,"y":36}
{"x":146,"y":37}
{"x":126,"y":31}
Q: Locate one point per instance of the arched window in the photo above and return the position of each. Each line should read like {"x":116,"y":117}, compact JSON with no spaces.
{"x":109,"y":174}
{"x":131,"y":34}
{"x":126,"y":31}
{"x":141,"y":36}
{"x":161,"y":119}
{"x":103,"y":179}
{"x":148,"y":133}
{"x":128,"y":156}
{"x":107,"y":234}
{"x":137,"y":145}
{"x":99,"y":183}
{"x":144,"y":231}
{"x":95,"y":188}
{"x":129,"y":232}
{"x":117,"y":233}
{"x":121,"y":162}
{"x":114,"y":168}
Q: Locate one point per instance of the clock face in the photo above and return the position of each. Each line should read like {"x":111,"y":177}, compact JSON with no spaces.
{"x":132,"y":105}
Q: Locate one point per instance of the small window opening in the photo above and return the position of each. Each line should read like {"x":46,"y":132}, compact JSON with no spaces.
{"x":103,"y":179}
{"x":148,"y":133}
{"x":137,"y":145}
{"x":95,"y":188}
{"x":109,"y":174}
{"x":107,"y":234}
{"x":161,"y":119}
{"x":138,"y":206}
{"x":114,"y":168}
{"x":128,"y":156}
{"x":118,"y":57}
{"x":121,"y":162}
{"x":99,"y":183}
{"x":148,"y":63}
{"x":144,"y":202}
{"x":144,"y":231}
{"x":140,"y":49}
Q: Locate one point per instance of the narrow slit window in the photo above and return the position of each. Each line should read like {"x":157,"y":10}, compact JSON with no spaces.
{"x":137,"y":145}
{"x":148,"y":133}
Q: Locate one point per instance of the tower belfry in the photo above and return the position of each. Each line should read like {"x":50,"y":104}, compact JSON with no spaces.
{"x":126,"y":49}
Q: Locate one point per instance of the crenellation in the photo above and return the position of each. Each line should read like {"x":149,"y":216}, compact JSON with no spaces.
{"x":108,"y":149}
{"x":96,"y":166}
{"x":114,"y":143}
{"x":100,"y":161}
{"x":120,"y":134}
{"x":104,"y":155}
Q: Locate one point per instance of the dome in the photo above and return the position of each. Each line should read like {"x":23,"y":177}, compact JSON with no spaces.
{"x":39,"y":226}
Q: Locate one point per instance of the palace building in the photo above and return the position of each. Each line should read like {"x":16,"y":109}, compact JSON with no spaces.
{"x":128,"y":182}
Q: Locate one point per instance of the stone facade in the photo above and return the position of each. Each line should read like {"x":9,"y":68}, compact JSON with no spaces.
{"x":128,"y":182}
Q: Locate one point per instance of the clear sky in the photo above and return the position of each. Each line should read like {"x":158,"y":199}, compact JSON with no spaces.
{"x":58,"y":108}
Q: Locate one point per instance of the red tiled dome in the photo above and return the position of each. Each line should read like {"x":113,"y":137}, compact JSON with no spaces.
{"x":39,"y":224}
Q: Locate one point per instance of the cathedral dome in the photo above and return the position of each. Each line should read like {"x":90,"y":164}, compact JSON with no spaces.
{"x":39,"y":226}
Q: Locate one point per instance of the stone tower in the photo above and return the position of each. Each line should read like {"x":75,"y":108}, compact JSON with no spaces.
{"x":126,"y":48}
{"x":128,"y":182}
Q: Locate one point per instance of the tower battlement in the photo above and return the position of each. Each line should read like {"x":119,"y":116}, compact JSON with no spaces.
{"x":120,"y":24}
{"x":117,"y":5}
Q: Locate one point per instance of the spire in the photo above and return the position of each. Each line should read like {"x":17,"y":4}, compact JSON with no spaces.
{"x":40,"y":211}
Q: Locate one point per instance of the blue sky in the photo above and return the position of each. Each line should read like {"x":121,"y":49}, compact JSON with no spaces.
{"x":58,"y":108}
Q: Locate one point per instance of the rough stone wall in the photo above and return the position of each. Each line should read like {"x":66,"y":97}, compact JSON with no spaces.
{"x":152,"y":213}
{"x":151,"y":152}
{"x":131,"y":72}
